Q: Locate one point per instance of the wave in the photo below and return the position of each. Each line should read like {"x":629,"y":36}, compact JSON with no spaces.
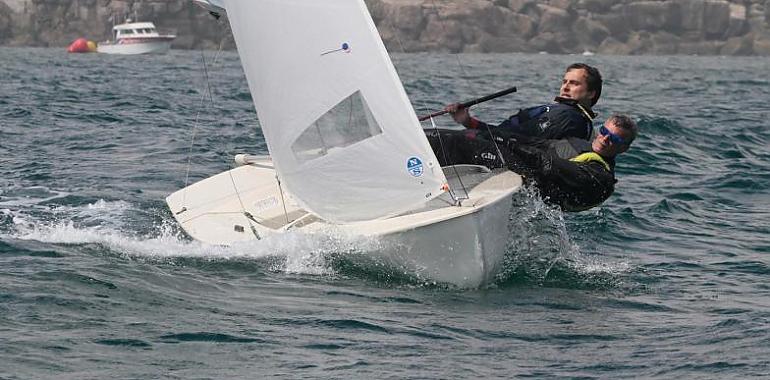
{"x":540,"y":251}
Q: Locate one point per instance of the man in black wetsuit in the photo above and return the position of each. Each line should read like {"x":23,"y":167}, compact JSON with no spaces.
{"x":569,"y":116}
{"x":571,"y":172}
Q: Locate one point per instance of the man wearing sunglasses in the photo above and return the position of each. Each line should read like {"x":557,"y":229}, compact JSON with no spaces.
{"x":572,"y":173}
{"x":569,"y":116}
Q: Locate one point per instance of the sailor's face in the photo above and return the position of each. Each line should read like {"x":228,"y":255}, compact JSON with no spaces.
{"x":606,"y":144}
{"x":575,"y":86}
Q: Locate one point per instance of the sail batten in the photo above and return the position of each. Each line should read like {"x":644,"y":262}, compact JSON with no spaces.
{"x":339,"y":126}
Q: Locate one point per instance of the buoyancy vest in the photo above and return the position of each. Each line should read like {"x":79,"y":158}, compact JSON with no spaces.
{"x":577,"y":150}
{"x":590,"y":157}
{"x":563,"y":119}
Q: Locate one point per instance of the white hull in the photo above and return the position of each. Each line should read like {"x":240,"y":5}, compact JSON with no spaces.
{"x":465,"y":247}
{"x":153,"y":47}
{"x":462,"y":245}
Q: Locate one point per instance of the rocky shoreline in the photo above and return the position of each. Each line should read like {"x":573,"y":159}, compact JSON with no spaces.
{"x":702,"y":27}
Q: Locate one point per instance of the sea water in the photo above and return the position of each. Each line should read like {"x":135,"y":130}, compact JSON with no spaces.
{"x":669,"y":278}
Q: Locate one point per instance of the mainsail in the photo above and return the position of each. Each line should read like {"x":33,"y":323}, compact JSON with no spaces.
{"x":342,"y":133}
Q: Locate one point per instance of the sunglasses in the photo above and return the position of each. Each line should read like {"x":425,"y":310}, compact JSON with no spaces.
{"x":614,"y":139}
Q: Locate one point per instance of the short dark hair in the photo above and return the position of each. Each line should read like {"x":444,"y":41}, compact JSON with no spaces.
{"x":625,"y":123}
{"x":594,"y":79}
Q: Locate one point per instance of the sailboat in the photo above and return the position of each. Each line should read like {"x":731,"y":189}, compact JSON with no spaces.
{"x":347,"y":152}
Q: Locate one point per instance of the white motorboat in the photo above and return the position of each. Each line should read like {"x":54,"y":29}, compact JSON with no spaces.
{"x":347,"y":152}
{"x":136,"y":38}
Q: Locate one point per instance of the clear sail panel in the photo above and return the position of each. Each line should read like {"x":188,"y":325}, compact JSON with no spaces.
{"x":349,"y":122}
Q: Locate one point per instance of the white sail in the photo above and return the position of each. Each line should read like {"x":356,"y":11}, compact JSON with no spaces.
{"x":342,"y":133}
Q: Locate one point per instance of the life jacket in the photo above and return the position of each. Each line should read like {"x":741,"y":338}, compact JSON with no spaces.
{"x":591,"y":157}
{"x":577,"y":150}
{"x":570,"y":117}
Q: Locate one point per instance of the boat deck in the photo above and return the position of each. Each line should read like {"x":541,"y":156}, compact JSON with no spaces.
{"x":462,"y":179}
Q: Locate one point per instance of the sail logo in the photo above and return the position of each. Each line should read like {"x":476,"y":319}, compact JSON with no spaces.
{"x":344,"y":48}
{"x":414,"y":166}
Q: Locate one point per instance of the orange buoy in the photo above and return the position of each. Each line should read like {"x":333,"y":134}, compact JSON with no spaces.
{"x":81,"y":45}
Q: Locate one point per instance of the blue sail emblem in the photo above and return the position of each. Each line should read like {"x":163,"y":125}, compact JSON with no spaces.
{"x":414,"y":166}
{"x":344,"y":48}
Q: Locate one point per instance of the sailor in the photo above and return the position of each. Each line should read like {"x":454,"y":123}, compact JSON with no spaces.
{"x":572,"y":173}
{"x":569,"y":116}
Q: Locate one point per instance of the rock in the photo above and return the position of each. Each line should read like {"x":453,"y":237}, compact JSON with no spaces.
{"x":562,"y":4}
{"x":611,"y":46}
{"x":494,"y":44}
{"x":640,"y":43}
{"x":653,"y":15}
{"x":616,"y":24}
{"x":738,"y":46}
{"x":664,"y":43}
{"x":490,"y":17}
{"x":551,"y":43}
{"x":409,"y":19}
{"x":736,"y":27}
{"x":761,"y":46}
{"x":6,"y":23}
{"x":556,"y":26}
{"x":692,"y":14}
{"x":596,"y":6}
{"x":554,"y":20}
{"x":767,"y":12}
{"x":518,"y":5}
{"x":518,"y":25}
{"x":717,"y":15}
{"x":589,"y":32}
{"x":443,"y":35}
{"x":700,"y":47}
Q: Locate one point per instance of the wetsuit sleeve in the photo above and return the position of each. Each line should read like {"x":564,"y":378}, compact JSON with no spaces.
{"x":511,"y":123}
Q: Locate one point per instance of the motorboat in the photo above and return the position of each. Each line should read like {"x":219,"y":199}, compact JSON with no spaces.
{"x":136,"y":38}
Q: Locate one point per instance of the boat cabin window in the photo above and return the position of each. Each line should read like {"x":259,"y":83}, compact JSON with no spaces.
{"x":126,"y":31}
{"x":347,"y":123}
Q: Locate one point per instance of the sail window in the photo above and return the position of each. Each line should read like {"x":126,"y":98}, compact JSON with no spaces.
{"x":347,"y":123}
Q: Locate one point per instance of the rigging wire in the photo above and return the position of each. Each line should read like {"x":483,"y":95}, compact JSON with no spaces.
{"x":196,"y":124}
{"x":200,"y":108}
{"x":464,"y":76}
{"x":249,"y":217}
{"x":433,"y":124}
